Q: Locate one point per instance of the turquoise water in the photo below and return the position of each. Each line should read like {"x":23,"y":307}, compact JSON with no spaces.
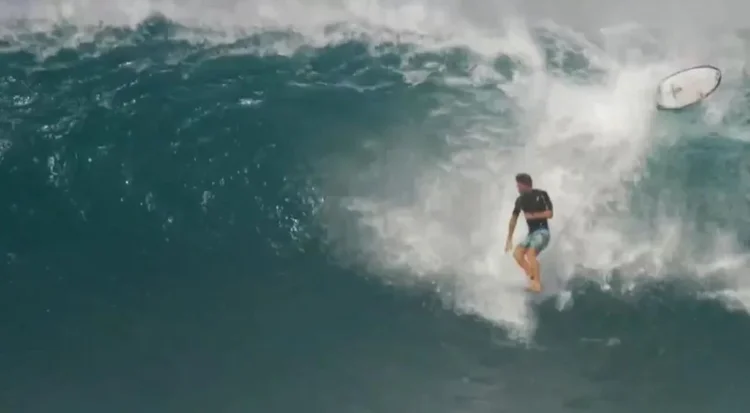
{"x":267,"y":223}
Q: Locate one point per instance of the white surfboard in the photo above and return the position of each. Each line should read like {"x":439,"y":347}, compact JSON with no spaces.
{"x":687,"y":87}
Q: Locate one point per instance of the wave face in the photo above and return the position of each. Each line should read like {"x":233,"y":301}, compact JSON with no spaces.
{"x":283,"y":207}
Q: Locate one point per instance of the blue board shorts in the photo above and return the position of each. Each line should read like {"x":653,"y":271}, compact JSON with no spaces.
{"x":537,"y":240}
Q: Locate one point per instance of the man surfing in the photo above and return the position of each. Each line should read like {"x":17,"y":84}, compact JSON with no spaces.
{"x":537,"y":209}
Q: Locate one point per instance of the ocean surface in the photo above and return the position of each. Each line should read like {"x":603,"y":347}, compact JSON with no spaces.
{"x":290,"y":207}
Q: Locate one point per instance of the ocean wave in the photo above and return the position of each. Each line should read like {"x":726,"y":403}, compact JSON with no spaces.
{"x":390,"y":147}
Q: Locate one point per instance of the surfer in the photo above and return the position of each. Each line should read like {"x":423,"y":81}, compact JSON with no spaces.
{"x":537,"y":209}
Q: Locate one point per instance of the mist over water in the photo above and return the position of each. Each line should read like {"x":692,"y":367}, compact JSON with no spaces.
{"x":286,"y":206}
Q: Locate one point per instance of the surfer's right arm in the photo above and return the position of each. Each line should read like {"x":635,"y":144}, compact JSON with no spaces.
{"x":512,"y":224}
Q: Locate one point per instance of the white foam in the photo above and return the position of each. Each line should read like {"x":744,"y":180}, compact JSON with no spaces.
{"x":583,"y":142}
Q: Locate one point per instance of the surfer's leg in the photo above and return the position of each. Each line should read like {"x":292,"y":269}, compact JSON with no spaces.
{"x":538,"y":241}
{"x":536,"y":282}
{"x":520,"y":255}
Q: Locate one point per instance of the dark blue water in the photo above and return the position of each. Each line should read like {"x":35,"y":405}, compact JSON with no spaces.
{"x":166,"y":237}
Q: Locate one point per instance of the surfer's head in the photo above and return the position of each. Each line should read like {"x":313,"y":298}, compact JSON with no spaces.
{"x":523,"y":182}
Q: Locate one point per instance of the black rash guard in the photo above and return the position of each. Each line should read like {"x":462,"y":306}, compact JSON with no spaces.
{"x":535,"y":200}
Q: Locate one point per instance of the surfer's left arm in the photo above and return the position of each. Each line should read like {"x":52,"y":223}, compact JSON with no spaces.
{"x":539,"y":215}
{"x":547,"y":213}
{"x":512,"y":224}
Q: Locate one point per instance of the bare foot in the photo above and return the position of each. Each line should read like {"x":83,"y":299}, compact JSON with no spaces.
{"x":535,"y":287}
